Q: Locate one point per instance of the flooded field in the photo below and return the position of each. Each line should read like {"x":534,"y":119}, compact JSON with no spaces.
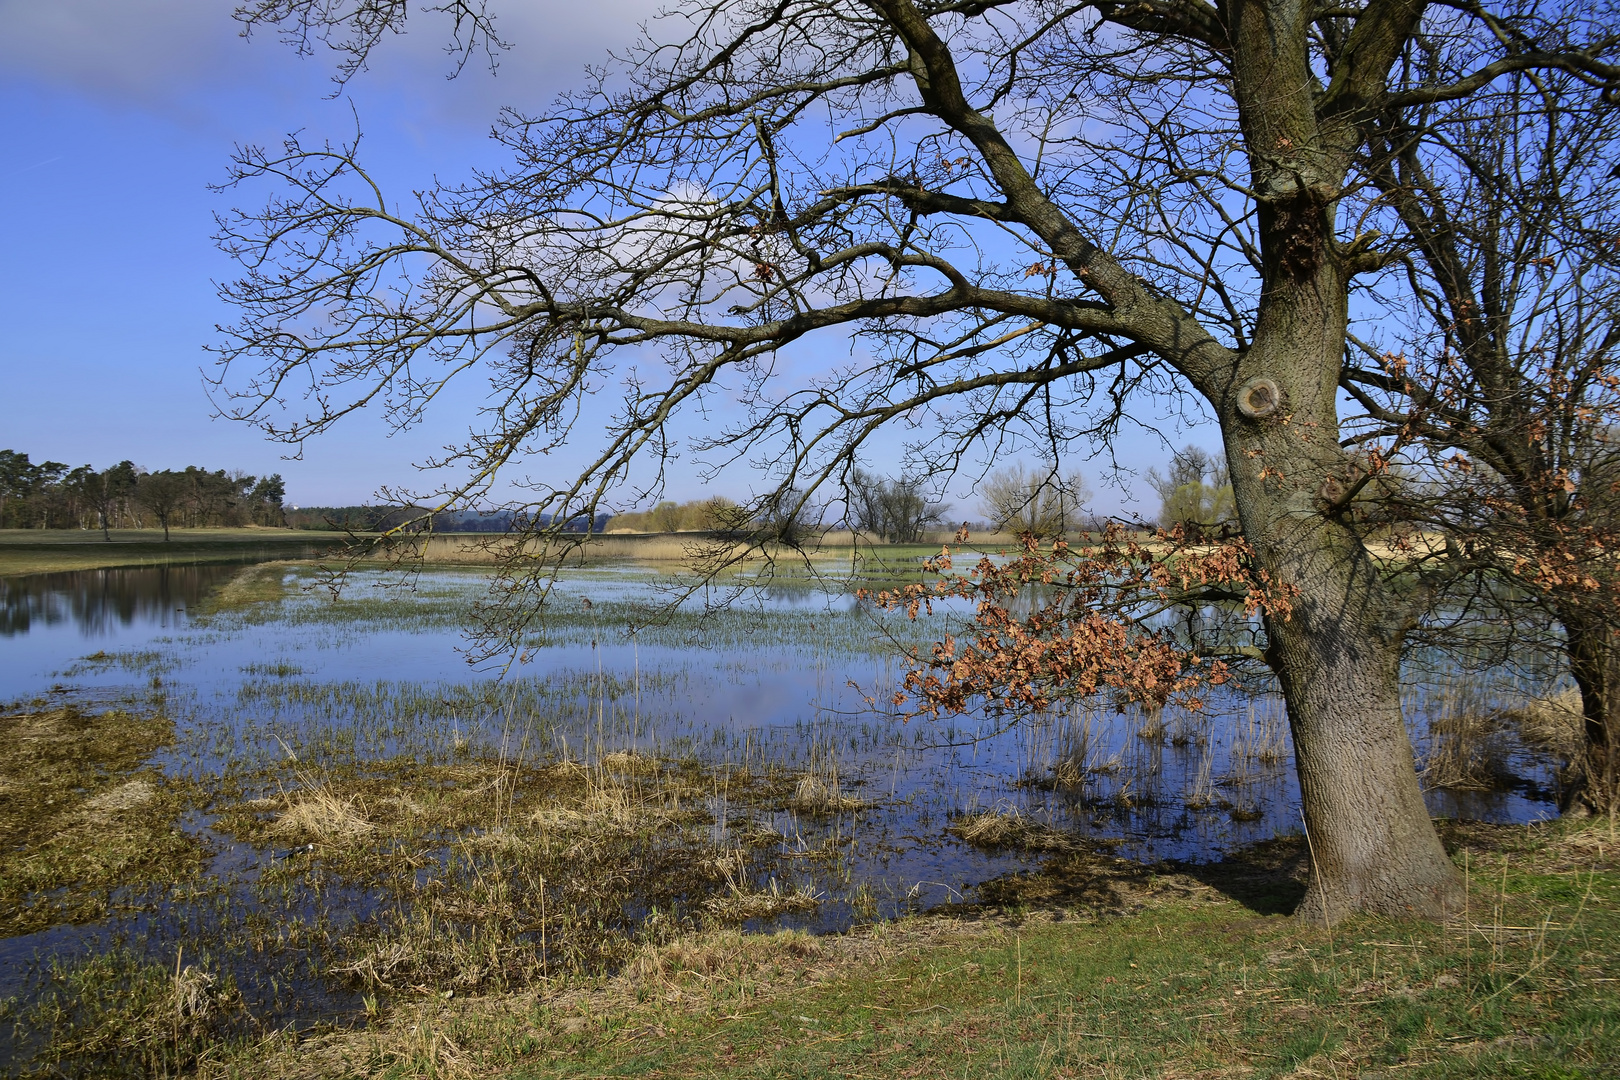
{"x":288,"y":808}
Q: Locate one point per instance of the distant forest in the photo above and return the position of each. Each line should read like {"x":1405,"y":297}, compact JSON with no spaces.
{"x":51,"y":495}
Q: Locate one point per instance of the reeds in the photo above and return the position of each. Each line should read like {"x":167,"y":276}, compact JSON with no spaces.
{"x":1200,"y":794}
{"x":1553,"y":724}
{"x":1468,"y":745}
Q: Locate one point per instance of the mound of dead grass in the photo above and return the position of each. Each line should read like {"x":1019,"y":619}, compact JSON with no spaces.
{"x":1554,"y":724}
{"x":1009,"y":827}
{"x":815,"y":794}
{"x":318,"y":814}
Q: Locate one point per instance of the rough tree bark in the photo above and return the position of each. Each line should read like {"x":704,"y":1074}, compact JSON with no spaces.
{"x":1594,"y":662}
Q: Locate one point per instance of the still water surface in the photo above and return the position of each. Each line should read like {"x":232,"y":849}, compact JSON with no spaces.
{"x":781,"y":680}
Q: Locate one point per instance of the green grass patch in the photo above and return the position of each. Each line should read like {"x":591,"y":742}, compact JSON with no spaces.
{"x":1146,"y":974}
{"x":43,"y":551}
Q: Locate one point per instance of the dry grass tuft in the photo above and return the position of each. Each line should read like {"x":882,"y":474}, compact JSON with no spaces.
{"x":1008,"y":827}
{"x":1201,"y":794}
{"x":719,"y":954}
{"x":1152,"y":726}
{"x":629,"y":763}
{"x":318,"y":813}
{"x":743,"y":901}
{"x":815,"y":794}
{"x":130,"y":796}
{"x":1468,"y":751}
{"x":1069,"y":772}
{"x":612,"y":809}
{"x":1554,"y":725}
{"x":743,"y":904}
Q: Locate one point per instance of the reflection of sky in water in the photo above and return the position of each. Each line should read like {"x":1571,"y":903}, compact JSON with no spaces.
{"x":769,"y":683}
{"x":770,"y":678}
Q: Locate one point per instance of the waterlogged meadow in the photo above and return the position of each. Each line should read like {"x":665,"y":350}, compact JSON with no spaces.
{"x":238,"y":802}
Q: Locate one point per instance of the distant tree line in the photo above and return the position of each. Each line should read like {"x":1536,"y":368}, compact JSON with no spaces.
{"x":416,"y":519}
{"x":1194,"y":493}
{"x":51,"y":495}
{"x":714,"y":514}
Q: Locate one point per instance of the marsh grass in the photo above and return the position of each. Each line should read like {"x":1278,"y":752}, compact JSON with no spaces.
{"x":490,"y":875}
{"x":280,"y":669}
{"x":1092,"y":967}
{"x":1009,"y":827}
{"x":136,"y":661}
{"x":82,"y":819}
{"x":1551,"y":723}
{"x":745,"y":902}
{"x":1201,"y":793}
{"x":515,"y":843}
{"x":117,"y":1014}
{"x":1469,"y":743}
{"x":819,"y":792}
{"x":261,"y":583}
{"x":1262,"y":736}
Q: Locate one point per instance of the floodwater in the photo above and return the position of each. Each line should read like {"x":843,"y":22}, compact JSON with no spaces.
{"x":782,"y":679}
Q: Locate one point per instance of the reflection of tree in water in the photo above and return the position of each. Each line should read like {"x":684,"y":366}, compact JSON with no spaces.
{"x":98,"y":600}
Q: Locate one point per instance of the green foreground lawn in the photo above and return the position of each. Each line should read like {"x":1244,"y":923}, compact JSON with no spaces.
{"x":44,"y":551}
{"x":1091,"y":968}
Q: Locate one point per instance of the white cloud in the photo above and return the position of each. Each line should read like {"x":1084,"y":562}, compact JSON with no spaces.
{"x":163,"y":54}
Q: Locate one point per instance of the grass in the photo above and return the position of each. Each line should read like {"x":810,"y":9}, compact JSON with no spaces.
{"x":1009,"y":827}
{"x":44,"y":551}
{"x":55,"y":551}
{"x":545,"y":877}
{"x":262,"y":583}
{"x":82,"y":819}
{"x":1092,"y":968}
{"x":120,"y":1015}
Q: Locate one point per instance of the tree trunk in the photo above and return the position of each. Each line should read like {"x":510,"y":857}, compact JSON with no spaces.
{"x":1337,"y":653}
{"x":1594,"y":661}
{"x":1372,"y":844}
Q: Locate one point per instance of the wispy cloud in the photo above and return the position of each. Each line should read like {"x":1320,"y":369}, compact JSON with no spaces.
{"x":31,"y":168}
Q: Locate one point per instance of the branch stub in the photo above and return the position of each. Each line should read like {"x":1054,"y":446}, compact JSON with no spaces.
{"x":1258,"y":398}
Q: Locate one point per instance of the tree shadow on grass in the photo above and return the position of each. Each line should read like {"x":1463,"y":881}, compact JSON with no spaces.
{"x":1268,"y":878}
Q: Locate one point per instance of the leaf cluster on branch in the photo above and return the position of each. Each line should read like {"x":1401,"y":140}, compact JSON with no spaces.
{"x":1056,"y":621}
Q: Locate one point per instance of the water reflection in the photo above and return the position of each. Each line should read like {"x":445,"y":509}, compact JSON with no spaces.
{"x":100,"y":601}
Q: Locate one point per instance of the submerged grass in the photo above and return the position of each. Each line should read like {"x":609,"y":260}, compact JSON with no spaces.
{"x":262,"y":583}
{"x":82,"y":817}
{"x":1092,"y":968}
{"x":117,"y":1014}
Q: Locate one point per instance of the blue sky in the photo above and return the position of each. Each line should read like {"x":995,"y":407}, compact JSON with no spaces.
{"x":115,"y":116}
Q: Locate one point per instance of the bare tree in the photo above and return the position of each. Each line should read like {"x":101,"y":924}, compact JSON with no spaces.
{"x":1037,"y":503}
{"x":896,"y":510}
{"x":1502,"y":398}
{"x":1033,"y":213}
